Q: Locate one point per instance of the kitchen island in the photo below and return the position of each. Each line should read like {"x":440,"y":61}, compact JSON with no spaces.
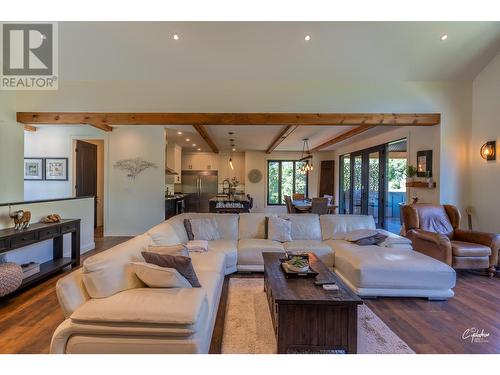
{"x":224,"y":204}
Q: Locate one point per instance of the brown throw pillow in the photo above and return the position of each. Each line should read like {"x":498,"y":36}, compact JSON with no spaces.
{"x":181,"y":263}
{"x":372,"y":240}
{"x":189,"y":229}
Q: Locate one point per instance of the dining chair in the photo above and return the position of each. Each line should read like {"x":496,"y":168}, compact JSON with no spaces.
{"x":319,"y":206}
{"x":289,"y":205}
{"x":298,"y":196}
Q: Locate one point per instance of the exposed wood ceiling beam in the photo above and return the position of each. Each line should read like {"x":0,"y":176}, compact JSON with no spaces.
{"x":29,"y":128}
{"x":104,"y":120}
{"x":287,"y":130}
{"x":343,"y":137}
{"x":100,"y":125}
{"x":206,"y":137}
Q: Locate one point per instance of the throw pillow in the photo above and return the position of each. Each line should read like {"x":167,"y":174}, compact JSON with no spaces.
{"x":189,"y":229}
{"x":205,"y":229}
{"x":178,"y":249}
{"x":372,"y":240}
{"x":357,"y":234}
{"x":279,"y":229}
{"x":159,"y":277}
{"x":180,"y":263}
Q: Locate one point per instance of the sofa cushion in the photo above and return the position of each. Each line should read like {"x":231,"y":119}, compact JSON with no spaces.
{"x":208,"y":261}
{"x":159,"y":277}
{"x":165,"y":234}
{"x":253,"y":225}
{"x":250,"y":250}
{"x":184,"y":307}
{"x":390,"y":268}
{"x":468,"y":249}
{"x":229,"y":249}
{"x":320,"y":248}
{"x":110,"y":272}
{"x":305,"y":226}
{"x":335,"y":226}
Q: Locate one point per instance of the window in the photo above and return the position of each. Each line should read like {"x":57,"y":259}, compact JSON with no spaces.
{"x":284,"y":178}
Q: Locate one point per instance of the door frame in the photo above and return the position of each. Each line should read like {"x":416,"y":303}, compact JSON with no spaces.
{"x":72,"y":172}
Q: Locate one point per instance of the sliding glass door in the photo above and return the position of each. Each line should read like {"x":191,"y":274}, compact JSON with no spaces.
{"x":362,"y":183}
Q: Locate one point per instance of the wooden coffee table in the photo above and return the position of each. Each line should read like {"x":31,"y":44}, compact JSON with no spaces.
{"x":305,"y":316}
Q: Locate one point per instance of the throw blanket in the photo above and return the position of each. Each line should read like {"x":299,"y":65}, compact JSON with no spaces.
{"x":197,"y":246}
{"x":395,"y":241}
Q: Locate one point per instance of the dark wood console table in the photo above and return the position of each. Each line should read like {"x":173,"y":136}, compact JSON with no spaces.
{"x":11,"y":239}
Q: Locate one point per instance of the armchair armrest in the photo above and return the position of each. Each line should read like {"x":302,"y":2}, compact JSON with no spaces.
{"x":491,"y":240}
{"x":435,"y":245}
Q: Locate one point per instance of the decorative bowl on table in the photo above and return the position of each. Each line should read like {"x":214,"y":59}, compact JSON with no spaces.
{"x":297,"y":264}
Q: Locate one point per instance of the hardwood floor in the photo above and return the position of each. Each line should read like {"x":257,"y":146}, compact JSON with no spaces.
{"x":27,"y":320}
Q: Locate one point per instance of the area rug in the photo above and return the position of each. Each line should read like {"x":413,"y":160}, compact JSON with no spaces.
{"x":248,"y":328}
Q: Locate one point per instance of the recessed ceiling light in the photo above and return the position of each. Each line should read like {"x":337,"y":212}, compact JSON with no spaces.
{"x":187,"y":139}
{"x":199,"y":149}
{"x":194,"y":144}
{"x":179,"y":133}
{"x":307,"y":38}
{"x":234,"y":149}
{"x":175,"y":37}
{"x":444,"y":37}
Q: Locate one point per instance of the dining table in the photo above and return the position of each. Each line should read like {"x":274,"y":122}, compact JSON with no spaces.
{"x":305,"y":205}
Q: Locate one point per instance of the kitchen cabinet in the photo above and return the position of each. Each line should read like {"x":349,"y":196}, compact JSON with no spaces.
{"x":200,"y":161}
{"x":174,"y":162}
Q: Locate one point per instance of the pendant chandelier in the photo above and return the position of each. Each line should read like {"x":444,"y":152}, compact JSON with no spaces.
{"x":306,"y":155}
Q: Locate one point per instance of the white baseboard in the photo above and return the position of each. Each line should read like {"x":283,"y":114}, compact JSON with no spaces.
{"x":88,"y":247}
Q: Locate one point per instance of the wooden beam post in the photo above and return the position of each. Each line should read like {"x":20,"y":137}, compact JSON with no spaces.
{"x":206,"y":137}
{"x":29,"y":128}
{"x":287,"y":130}
{"x":343,"y":137}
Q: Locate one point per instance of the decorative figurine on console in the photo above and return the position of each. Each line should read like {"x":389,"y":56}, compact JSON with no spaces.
{"x":21,"y":219}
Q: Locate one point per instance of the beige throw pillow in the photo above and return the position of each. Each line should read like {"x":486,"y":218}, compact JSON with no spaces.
{"x":159,"y":277}
{"x":279,"y":229}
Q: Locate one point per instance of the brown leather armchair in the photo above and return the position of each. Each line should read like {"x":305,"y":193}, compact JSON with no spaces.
{"x":434,"y":231}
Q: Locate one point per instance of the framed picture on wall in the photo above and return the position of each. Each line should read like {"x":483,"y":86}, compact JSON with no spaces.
{"x":424,"y":163}
{"x":56,"y":169}
{"x":33,"y":169}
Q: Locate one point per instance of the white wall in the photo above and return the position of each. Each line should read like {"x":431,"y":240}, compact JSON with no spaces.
{"x":11,"y":152}
{"x":130,"y":206}
{"x":71,"y":209}
{"x":54,"y":141}
{"x":485,"y":175}
{"x":134,"y":206}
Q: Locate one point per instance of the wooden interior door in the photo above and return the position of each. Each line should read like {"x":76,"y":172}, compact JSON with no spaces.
{"x":86,"y":172}
{"x":326,"y":177}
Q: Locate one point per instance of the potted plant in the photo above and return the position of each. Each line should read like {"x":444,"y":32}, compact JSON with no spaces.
{"x":411,"y":172}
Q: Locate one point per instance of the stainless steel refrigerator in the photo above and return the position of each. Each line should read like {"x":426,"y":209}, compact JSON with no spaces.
{"x":200,"y":187}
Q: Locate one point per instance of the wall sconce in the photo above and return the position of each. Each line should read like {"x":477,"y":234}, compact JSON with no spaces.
{"x":488,"y":150}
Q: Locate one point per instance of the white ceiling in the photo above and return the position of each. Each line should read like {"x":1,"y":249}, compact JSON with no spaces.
{"x":408,"y":51}
{"x":275,"y":53}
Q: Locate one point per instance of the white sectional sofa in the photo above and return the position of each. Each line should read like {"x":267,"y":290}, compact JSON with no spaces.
{"x":109,"y":310}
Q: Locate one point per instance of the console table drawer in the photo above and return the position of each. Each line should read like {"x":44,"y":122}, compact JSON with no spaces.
{"x":68,"y":227}
{"x":22,"y":240}
{"x":45,"y":234}
{"x":4,"y":244}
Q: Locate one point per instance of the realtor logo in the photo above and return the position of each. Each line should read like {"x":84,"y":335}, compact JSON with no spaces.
{"x":29,"y":56}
